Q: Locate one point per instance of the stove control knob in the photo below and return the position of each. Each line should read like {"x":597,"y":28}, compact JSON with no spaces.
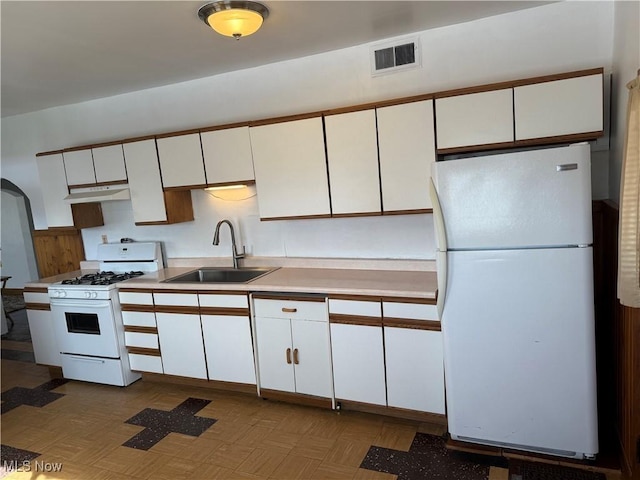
{"x":94,"y":294}
{"x":87,"y":294}
{"x":61,"y":293}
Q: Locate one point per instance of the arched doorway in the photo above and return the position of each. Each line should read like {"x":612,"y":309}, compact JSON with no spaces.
{"x":18,"y":258}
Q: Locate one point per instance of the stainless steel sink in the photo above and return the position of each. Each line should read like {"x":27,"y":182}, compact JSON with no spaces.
{"x":220,"y":275}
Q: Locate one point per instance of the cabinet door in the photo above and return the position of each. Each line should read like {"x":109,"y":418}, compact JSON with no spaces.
{"x":415,"y":372}
{"x":227,"y":156}
{"x":181,"y":345}
{"x":291,"y":169}
{"x":475,"y":119}
{"x":45,"y":348}
{"x":407,"y":150}
{"x":53,"y":185}
{"x":561,"y":107}
{"x":358,"y":363}
{"x":229,"y":350}
{"x":181,"y":161}
{"x":352,"y":154}
{"x":273,"y":339}
{"x":312,"y":358}
{"x":145,"y":185}
{"x":109,"y":164}
{"x":79,"y":168}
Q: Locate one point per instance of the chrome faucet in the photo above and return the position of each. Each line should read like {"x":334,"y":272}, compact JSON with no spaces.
{"x":216,"y":241}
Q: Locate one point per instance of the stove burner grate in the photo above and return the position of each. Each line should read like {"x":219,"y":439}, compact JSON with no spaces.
{"x":101,"y":278}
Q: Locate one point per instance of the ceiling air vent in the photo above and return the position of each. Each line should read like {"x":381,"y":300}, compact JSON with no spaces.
{"x":392,"y":57}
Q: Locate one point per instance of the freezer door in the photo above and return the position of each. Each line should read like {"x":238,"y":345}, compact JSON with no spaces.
{"x":518,"y":329}
{"x":525,"y":199}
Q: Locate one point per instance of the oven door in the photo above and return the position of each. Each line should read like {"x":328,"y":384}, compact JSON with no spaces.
{"x":85,"y":327}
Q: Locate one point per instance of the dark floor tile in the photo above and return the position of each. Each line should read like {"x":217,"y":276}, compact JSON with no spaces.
{"x":159,"y":423}
{"x":427,"y":458}
{"x":18,"y":356}
{"x":19,"y":327}
{"x":542,"y":471}
{"x":34,"y":397}
{"x":13,"y":459}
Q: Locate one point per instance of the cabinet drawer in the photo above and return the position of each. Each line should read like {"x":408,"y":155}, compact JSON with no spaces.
{"x":294,"y":309}
{"x":355,"y":307}
{"x":142,"y":340}
{"x":224,"y":301}
{"x":139,"y":319}
{"x":176,"y":299}
{"x":415,"y":311}
{"x":36,"y":297}
{"x":145,"y":363}
{"x":136,"y":298}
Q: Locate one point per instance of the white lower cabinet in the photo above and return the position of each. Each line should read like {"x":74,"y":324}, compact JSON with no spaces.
{"x":293,"y":347}
{"x":180,"y":337}
{"x":415,"y":372}
{"x":358,"y":363}
{"x":228,"y":348}
{"x":45,"y":348}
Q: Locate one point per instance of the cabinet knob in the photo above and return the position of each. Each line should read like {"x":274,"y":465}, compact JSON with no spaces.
{"x":289,"y":310}
{"x":288,"y":355}
{"x":295,"y":356}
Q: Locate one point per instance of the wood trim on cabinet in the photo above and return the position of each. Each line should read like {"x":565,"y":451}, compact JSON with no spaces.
{"x":422,"y":301}
{"x":229,"y":184}
{"x":137,"y":329}
{"x":247,"y":388}
{"x":287,"y":118}
{"x":153,"y":352}
{"x":135,"y":290}
{"x":178,"y":133}
{"x":407,"y":212}
{"x":178,"y":309}
{"x":51,"y":152}
{"x":379,"y":104}
{"x":230,"y":312}
{"x":87,"y":215}
{"x":135,"y":139}
{"x":37,"y":306}
{"x":393,"y":412}
{"x":355,"y":320}
{"x":292,"y":297}
{"x":358,"y":298}
{"x":12,"y":291}
{"x":559,"y":76}
{"x":198,"y":186}
{"x":226,"y":126}
{"x":54,"y":371}
{"x":179,"y":291}
{"x":132,"y":307}
{"x":55,"y":231}
{"x":299,"y":217}
{"x":572,"y":138}
{"x":361,"y":214}
{"x":599,"y":466}
{"x":35,"y":289}
{"x":431,"y":325}
{"x":459,"y":446}
{"x":298,"y":398}
{"x":223,"y":292}
{"x":81,"y":185}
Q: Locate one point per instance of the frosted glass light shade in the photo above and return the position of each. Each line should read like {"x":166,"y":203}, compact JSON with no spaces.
{"x":234,"y":18}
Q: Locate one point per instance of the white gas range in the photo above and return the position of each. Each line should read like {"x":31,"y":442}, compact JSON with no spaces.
{"x":87,"y":317}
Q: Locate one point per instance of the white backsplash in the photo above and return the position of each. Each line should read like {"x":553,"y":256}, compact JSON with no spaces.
{"x":379,"y":237}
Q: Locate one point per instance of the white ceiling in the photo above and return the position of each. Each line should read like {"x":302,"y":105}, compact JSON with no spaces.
{"x":62,"y":52}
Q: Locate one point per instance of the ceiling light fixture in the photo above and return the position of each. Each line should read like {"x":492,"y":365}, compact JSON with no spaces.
{"x":233,"y":18}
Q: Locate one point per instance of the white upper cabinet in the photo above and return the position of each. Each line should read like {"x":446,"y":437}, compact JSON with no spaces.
{"x":109,"y":164}
{"x":145,"y":185}
{"x":291,"y":170}
{"x":181,"y":161}
{"x":53,"y":185}
{"x":352,"y":154}
{"x":475,"y":119}
{"x":78,"y":165}
{"x":407,"y":149}
{"x":560,"y":107}
{"x":227,"y":155}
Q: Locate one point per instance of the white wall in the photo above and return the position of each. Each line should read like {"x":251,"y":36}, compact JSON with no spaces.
{"x":554,"y":38}
{"x":626,"y":62}
{"x":18,"y":259}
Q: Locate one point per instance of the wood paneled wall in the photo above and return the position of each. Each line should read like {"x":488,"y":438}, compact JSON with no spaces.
{"x":58,"y":250}
{"x":618,"y":343}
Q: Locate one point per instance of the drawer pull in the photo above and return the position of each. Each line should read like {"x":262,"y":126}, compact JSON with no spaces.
{"x":288,"y":355}
{"x":289,"y":310}
{"x":295,"y":356}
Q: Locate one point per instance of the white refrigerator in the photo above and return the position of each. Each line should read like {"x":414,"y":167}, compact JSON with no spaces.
{"x":515,"y":295}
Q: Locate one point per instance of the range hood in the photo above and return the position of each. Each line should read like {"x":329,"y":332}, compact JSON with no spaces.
{"x":99,"y":194}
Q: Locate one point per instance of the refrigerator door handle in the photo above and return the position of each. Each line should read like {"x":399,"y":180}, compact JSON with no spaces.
{"x":441,"y":254}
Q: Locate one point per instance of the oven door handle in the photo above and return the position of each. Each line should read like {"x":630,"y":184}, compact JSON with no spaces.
{"x":79,"y":303}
